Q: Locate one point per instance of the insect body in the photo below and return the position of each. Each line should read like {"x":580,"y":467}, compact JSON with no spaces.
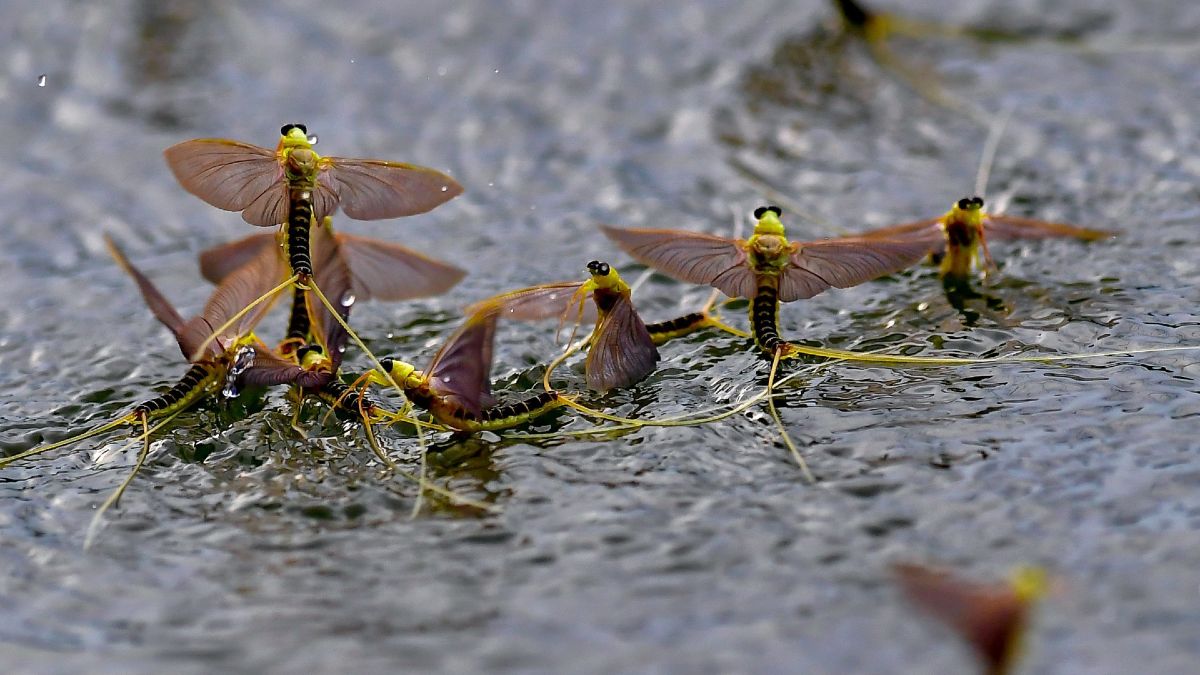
{"x":767,"y":268}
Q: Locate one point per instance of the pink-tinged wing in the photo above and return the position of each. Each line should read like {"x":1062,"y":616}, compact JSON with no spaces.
{"x":690,"y":256}
{"x":245,"y":285}
{"x":388,"y":271}
{"x":622,"y":352}
{"x":219,"y":262}
{"x":162,"y":308}
{"x":988,"y":617}
{"x":333,"y":277}
{"x":930,"y":230}
{"x":233,"y":176}
{"x":842,"y":263}
{"x":999,"y":228}
{"x":371,"y":189}
{"x":560,"y":300}
{"x":460,"y":372}
{"x":269,"y":370}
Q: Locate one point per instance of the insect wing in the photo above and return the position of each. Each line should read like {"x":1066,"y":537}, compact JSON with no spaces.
{"x":460,"y":372}
{"x":548,"y":301}
{"x":842,"y":263}
{"x":219,"y":262}
{"x":988,"y":617}
{"x":1012,"y":227}
{"x":622,"y":352}
{"x":162,"y":308}
{"x":388,"y":271}
{"x":371,"y":189}
{"x":333,"y":277}
{"x":233,"y":176}
{"x":245,"y":285}
{"x":269,"y":370}
{"x":690,"y":256}
{"x":925,"y":230}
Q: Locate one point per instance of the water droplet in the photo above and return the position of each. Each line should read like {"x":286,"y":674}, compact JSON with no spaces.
{"x":441,"y":71}
{"x":923,"y":306}
{"x":351,"y":60}
{"x":312,"y":140}
{"x":390,"y":335}
{"x":491,"y":185}
{"x":445,"y":188}
{"x":230,"y":391}
{"x":553,"y":296}
{"x":41,"y":80}
{"x":348,"y":299}
{"x":341,"y":349}
{"x":496,"y":70}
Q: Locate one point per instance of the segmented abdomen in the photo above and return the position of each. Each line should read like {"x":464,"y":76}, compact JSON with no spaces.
{"x":300,"y":213}
{"x":668,"y":330}
{"x":190,"y":387}
{"x":764,"y":317}
{"x":502,"y":416}
{"x":299,"y":323}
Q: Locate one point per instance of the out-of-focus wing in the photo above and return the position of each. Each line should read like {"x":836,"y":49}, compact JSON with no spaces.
{"x":560,"y":300}
{"x":220,"y":261}
{"x":690,"y":256}
{"x":989,"y":617}
{"x":371,"y":189}
{"x":388,"y":271}
{"x":162,"y":308}
{"x":999,"y":228}
{"x":841,"y":263}
{"x":929,"y":229}
{"x":233,"y":176}
{"x":460,"y":372}
{"x":333,"y":277}
{"x":622,"y":352}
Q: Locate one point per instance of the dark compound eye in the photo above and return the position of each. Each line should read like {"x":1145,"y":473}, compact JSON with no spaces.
{"x":387,"y":365}
{"x":598,"y":268}
{"x":978,"y":201}
{"x":303,"y":129}
{"x":760,"y":212}
{"x":964,"y":204}
{"x":283,"y":131}
{"x":776,"y":210}
{"x":306,"y":349}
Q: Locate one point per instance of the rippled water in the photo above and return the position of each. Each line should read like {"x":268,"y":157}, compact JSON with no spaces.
{"x":244,"y":547}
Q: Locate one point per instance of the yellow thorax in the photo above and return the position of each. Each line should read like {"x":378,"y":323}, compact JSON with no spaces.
{"x":967,"y":211}
{"x":768,"y":247}
{"x":404,"y":374}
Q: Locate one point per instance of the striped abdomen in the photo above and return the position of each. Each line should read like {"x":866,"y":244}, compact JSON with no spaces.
{"x":669,"y":330}
{"x":962,"y":244}
{"x":342,"y":398}
{"x":498,"y":417}
{"x":193,"y":386}
{"x":764,"y":316}
{"x":300,"y":215}
{"x":299,"y":324}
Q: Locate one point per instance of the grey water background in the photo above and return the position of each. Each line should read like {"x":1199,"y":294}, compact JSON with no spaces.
{"x":243,"y":547}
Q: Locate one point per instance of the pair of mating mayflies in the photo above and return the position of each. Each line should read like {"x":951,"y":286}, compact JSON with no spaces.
{"x":299,"y":190}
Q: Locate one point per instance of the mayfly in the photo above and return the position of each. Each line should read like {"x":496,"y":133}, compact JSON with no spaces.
{"x":766,"y":268}
{"x":456,"y":389}
{"x":374,"y":269}
{"x":960,"y":236}
{"x":622,"y":348}
{"x":991,"y":618}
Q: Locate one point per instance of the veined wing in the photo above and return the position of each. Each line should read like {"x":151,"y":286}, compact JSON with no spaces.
{"x":333,"y":277}
{"x":549,"y":301}
{"x":269,"y":370}
{"x":245,"y":285}
{"x":622,"y":352}
{"x":233,"y":176}
{"x":1012,"y":227}
{"x":220,"y":261}
{"x":460,"y":372}
{"x":388,"y":271}
{"x":842,"y":263}
{"x":162,"y":308}
{"x":930,"y":229}
{"x":690,"y":256}
{"x":371,"y":189}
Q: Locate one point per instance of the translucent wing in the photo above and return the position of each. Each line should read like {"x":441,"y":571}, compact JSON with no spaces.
{"x":162,"y":308}
{"x":245,"y":285}
{"x":930,"y":229}
{"x":1012,"y":227}
{"x":460,"y":372}
{"x":842,"y":263}
{"x":548,"y":301}
{"x":389,"y":271}
{"x":690,"y":256}
{"x":219,"y":262}
{"x":622,"y":351}
{"x":987,"y":616}
{"x":269,"y":370}
{"x":370,"y":189}
{"x":333,"y":277}
{"x":233,"y":176}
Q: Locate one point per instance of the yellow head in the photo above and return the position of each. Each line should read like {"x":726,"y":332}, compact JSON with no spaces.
{"x":768,"y":247}
{"x":968,"y":211}
{"x":294,"y":136}
{"x":769,"y":222}
{"x":605,"y":277}
{"x":404,"y":374}
{"x":311,"y":357}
